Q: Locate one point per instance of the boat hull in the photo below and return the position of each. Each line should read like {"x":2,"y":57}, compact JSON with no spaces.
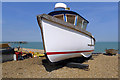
{"x":63,"y":43}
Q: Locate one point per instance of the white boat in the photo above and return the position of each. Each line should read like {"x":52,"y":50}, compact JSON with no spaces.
{"x":64,"y":34}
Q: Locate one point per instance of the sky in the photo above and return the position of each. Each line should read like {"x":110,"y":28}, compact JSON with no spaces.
{"x":19,"y":21}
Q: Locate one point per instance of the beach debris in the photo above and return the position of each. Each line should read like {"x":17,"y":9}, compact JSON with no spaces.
{"x":19,"y":56}
{"x":17,"y":53}
{"x":22,"y":54}
{"x":29,"y":55}
{"x":41,"y":55}
{"x":37,"y":54}
{"x":111,"y":52}
{"x":19,"y":49}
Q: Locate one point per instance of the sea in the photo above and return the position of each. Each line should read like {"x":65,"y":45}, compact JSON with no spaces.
{"x":99,"y":46}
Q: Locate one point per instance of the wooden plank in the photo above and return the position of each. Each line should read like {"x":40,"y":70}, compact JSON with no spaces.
{"x":77,"y":65}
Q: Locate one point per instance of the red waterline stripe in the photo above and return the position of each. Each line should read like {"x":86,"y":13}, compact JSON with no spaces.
{"x":53,"y":53}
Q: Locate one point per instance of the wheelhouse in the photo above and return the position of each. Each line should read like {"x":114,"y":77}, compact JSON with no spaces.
{"x":70,"y":17}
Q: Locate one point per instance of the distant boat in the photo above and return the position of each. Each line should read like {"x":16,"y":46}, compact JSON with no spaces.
{"x":64,"y":34}
{"x":6,"y":52}
{"x":111,"y":52}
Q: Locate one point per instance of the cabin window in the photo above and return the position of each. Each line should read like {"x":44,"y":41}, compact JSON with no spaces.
{"x":60,"y":16}
{"x":85,"y":24}
{"x":70,"y":18}
{"x":81,"y":23}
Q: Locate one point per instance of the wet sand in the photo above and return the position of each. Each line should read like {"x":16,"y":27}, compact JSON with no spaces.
{"x":101,"y":66}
